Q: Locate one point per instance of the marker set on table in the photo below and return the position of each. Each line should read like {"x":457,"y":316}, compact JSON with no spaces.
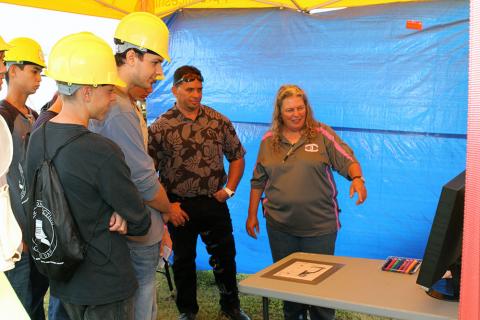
{"x":402,"y":265}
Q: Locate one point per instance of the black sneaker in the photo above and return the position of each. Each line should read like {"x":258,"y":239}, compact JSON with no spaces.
{"x":187,"y":316}
{"x":235,"y":314}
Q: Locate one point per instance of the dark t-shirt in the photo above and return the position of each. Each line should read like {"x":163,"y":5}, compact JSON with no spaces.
{"x":44,"y":116}
{"x":20,"y":126}
{"x":96,"y":182}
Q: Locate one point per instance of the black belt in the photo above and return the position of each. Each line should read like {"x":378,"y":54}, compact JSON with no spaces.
{"x":183,"y":198}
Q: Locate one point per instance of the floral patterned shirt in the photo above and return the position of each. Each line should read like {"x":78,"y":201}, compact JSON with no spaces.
{"x":189,"y":153}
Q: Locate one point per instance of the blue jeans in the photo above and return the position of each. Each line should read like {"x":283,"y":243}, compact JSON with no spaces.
{"x":283,"y":244}
{"x":145,"y":260}
{"x":39,"y":285}
{"x":19,"y":278}
{"x":56,"y":311}
{"x":29,"y":285}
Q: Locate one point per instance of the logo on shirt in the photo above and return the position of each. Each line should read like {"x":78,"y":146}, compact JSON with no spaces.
{"x":312,"y":147}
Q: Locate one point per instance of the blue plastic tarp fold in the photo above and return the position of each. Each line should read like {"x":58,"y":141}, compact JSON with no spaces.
{"x":397,"y":96}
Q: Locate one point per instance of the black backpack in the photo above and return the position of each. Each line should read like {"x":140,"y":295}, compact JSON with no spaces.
{"x":55,"y":242}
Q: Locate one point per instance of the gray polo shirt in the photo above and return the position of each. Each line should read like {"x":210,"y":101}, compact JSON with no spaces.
{"x":300,"y":191}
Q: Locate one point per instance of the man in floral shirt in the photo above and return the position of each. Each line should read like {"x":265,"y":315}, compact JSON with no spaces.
{"x":188,"y":143}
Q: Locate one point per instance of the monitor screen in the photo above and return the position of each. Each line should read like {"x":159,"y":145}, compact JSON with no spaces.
{"x":444,"y":247}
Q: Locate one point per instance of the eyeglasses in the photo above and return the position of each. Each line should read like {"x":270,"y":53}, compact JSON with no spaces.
{"x":189,"y":77}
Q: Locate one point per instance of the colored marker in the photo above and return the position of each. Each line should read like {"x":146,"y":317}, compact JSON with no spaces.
{"x":387,"y":262}
{"x":394,"y":260}
{"x":404,"y":262}
{"x":411,"y":266}
{"x":397,"y":264}
{"x":405,"y":265}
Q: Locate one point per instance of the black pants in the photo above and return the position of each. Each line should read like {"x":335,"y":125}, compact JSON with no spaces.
{"x":119,"y":310}
{"x":211,"y":220}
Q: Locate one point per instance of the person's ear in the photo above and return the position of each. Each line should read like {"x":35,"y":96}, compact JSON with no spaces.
{"x":86,"y":93}
{"x":12,"y":71}
{"x":130,"y":57}
{"x":174,"y":90}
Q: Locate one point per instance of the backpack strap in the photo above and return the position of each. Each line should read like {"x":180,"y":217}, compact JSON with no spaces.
{"x":70,"y":140}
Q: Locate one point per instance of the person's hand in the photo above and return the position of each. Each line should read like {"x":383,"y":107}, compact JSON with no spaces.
{"x":176,"y":215}
{"x":358,"y":186}
{"x":252,"y":226}
{"x":221,"y":195}
{"x":117,"y":224}
{"x":166,"y":242}
{"x":165,"y":217}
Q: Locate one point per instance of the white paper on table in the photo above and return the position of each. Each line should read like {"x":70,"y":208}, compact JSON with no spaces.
{"x":301,"y":270}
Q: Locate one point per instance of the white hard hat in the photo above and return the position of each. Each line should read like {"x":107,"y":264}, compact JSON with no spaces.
{"x":7,"y":147}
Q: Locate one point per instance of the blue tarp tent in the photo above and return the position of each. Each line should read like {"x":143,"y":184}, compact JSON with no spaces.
{"x":397,"y":96}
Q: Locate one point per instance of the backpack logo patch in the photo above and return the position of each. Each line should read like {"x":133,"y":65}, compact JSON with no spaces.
{"x":44,"y":238}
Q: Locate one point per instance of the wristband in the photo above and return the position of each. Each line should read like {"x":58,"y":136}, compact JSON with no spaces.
{"x":359,"y":177}
{"x":229,"y":192}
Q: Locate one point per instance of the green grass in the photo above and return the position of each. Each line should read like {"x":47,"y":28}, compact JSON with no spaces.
{"x":207,"y":295}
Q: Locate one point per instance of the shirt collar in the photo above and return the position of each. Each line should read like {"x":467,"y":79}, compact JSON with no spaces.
{"x":178,"y":114}
{"x":299,"y":142}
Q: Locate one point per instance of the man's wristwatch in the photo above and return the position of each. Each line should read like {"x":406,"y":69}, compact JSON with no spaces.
{"x":230,"y":193}
{"x":359,"y":177}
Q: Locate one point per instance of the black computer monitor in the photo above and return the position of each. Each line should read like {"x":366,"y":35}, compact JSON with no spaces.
{"x":444,"y":248}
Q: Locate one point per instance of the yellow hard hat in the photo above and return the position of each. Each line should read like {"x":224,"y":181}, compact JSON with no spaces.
{"x":83,"y":58}
{"x":25,"y":50}
{"x":3,"y":45}
{"x":146,"y":31}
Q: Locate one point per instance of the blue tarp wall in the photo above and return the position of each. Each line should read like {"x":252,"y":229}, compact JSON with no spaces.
{"x":397,"y":96}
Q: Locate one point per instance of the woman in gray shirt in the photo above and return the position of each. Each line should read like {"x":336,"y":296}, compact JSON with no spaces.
{"x":294,"y":169}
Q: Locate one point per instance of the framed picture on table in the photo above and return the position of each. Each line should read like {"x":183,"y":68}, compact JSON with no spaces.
{"x":303,"y":271}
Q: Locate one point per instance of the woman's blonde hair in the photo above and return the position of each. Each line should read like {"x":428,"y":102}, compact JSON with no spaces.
{"x":287,"y":91}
